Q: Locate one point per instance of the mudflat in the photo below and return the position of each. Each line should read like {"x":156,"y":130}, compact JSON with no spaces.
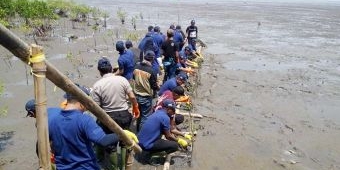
{"x":269,"y":84}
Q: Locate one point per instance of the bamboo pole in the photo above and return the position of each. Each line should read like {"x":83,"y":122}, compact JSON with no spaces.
{"x":39,"y":70}
{"x":129,"y":159}
{"x":21,"y":50}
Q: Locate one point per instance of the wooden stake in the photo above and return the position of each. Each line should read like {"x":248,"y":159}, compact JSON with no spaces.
{"x":21,"y":50}
{"x":39,"y":70}
{"x":129,"y":159}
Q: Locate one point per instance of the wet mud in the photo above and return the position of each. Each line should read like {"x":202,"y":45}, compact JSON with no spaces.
{"x":269,"y":86}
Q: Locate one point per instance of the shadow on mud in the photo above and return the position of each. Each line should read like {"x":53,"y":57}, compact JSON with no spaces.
{"x":4,"y":139}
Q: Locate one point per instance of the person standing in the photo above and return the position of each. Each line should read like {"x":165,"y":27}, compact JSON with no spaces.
{"x":159,"y":38}
{"x":178,"y":37}
{"x":145,"y":86}
{"x":170,"y":51}
{"x":155,"y":126}
{"x":125,"y":61}
{"x":134,"y":51}
{"x":110,"y":94}
{"x":148,"y":44}
{"x":192,"y":34}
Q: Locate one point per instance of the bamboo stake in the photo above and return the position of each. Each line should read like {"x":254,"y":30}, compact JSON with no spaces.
{"x":39,"y":70}
{"x":129,"y":159}
{"x":21,"y":50}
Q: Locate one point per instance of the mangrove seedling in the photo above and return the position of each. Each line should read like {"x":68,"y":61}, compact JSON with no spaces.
{"x":121,"y":15}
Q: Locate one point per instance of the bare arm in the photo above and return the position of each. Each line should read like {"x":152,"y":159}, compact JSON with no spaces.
{"x":174,"y":129}
{"x":132,"y":98}
{"x":170,"y":136}
{"x":119,"y":72}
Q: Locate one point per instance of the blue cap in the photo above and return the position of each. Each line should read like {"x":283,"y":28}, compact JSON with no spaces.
{"x":69,"y":96}
{"x":30,"y":107}
{"x":183,"y":76}
{"x":149,"y":55}
{"x":120,"y":46}
{"x":104,"y":63}
{"x":169,"y":103}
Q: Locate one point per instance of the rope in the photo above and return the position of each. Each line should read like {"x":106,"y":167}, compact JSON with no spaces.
{"x":36,"y":58}
{"x":42,"y":103}
{"x":131,"y":146}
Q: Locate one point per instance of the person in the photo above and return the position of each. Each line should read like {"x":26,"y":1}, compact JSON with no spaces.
{"x":148,"y":44}
{"x":134,"y":51}
{"x":145,"y":86}
{"x":177,"y":119}
{"x":170,"y":51}
{"x":110,"y":94}
{"x":187,"y":55}
{"x":192,"y":34}
{"x":159,"y":38}
{"x":173,"y":94}
{"x":125,"y":61}
{"x":72,"y":134}
{"x":170,"y":84}
{"x":178,"y":37}
{"x":172,"y":26}
{"x":30,"y":108}
{"x":155,"y":126}
{"x":182,"y":66}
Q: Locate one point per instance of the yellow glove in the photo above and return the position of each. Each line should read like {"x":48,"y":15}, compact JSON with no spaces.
{"x":131,"y":136}
{"x":182,"y":142}
{"x":188,"y":136}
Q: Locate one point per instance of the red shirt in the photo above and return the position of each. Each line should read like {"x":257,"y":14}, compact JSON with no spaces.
{"x":166,"y":95}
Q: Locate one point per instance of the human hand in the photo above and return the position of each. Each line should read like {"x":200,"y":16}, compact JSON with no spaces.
{"x":131,"y":136}
{"x":188,"y":136}
{"x":135,"y":111}
{"x":183,"y":143}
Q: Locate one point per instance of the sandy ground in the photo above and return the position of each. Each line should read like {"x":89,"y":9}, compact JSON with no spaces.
{"x":269,"y":84}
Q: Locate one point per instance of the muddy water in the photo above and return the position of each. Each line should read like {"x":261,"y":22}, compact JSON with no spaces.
{"x":269,"y":85}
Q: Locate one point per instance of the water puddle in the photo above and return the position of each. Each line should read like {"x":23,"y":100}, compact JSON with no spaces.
{"x":258,"y":64}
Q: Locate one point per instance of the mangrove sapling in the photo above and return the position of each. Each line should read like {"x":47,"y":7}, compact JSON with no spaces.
{"x":141,"y":16}
{"x":95,"y":15}
{"x":4,"y":111}
{"x":105,"y":15}
{"x":107,"y":47}
{"x":110,"y":34}
{"x":117,"y":33}
{"x":2,"y":87}
{"x":95,"y":28}
{"x":121,"y":15}
{"x":133,"y":22}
